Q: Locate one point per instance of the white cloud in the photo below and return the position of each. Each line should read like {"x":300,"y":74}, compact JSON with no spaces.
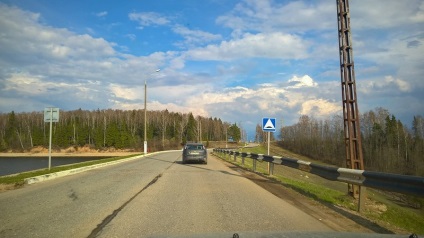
{"x":368,"y":14}
{"x":158,"y":106}
{"x":320,"y":108}
{"x":101,"y":14}
{"x":419,"y":15}
{"x":272,"y":45}
{"x":126,"y":93}
{"x":39,"y":63}
{"x":304,"y":81}
{"x":402,"y":85}
{"x":26,"y":86}
{"x":149,"y":19}
{"x":387,"y":86}
{"x":266,"y":100}
{"x":269,"y":16}
{"x":24,"y":39}
{"x":193,"y":37}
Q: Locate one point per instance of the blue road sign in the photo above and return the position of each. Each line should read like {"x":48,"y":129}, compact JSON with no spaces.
{"x":268,"y":124}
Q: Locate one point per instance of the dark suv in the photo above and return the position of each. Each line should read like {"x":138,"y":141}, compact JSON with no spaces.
{"x":195,"y":152}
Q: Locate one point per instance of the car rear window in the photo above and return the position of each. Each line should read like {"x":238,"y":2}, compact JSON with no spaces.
{"x":195,"y":147}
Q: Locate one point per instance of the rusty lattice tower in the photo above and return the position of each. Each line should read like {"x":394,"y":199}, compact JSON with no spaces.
{"x":352,"y":132}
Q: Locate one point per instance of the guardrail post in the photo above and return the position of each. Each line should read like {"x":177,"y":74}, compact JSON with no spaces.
{"x":242,"y":160}
{"x":271,"y":168}
{"x":362,"y":198}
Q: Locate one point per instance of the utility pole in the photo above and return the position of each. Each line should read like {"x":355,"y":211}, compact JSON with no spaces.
{"x":145,"y":117}
{"x":352,"y":130}
{"x":145,"y":114}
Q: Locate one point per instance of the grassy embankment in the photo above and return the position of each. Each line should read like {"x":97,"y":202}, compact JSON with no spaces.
{"x":18,"y":179}
{"x":380,"y":207}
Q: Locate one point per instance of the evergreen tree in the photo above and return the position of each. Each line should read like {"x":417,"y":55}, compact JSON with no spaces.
{"x":190,"y":130}
{"x":234,"y":132}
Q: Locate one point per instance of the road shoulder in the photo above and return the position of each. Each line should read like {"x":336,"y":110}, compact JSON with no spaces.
{"x":336,"y":218}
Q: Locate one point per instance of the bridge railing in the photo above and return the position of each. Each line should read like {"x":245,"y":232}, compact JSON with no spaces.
{"x":405,"y":184}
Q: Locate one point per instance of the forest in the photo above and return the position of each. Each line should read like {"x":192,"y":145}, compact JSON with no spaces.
{"x":103,"y":129}
{"x":387,"y":144}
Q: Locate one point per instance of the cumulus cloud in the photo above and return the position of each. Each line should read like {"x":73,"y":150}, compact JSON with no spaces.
{"x":268,"y":16}
{"x":386,"y":86}
{"x":33,"y":92}
{"x":24,"y":39}
{"x":320,"y":108}
{"x":194,"y":37}
{"x":268,"y":99}
{"x":40,"y":63}
{"x":272,"y":45}
{"x":126,"y":93}
{"x":304,"y":81}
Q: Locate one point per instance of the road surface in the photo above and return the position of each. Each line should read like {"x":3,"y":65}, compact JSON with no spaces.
{"x":153,"y":196}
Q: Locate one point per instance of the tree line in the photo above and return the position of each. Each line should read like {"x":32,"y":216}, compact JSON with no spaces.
{"x":388,"y":145}
{"x":101,"y":129}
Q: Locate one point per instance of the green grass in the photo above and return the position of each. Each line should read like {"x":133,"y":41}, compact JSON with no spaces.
{"x":255,"y":150}
{"x":319,"y":193}
{"x":19,"y":178}
{"x":406,"y":218}
{"x":315,"y":191}
{"x":403,"y":218}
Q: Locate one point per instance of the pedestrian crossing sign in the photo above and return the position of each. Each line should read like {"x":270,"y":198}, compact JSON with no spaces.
{"x":268,"y":124}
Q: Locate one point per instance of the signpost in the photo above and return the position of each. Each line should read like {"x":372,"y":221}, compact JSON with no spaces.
{"x":268,"y":125}
{"x":51,"y":114}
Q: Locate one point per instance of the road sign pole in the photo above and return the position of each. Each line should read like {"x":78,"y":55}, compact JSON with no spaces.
{"x":268,"y":140}
{"x":269,"y":166}
{"x":51,"y":115}
{"x":268,"y":125}
{"x":50,"y":139}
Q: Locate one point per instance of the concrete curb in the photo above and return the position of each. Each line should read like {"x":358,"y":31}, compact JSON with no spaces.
{"x":50,"y":176}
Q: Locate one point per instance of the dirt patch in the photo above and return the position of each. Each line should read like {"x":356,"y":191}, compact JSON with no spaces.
{"x":39,"y":149}
{"x":6,"y":187}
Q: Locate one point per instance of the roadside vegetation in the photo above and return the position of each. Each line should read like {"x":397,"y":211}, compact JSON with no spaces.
{"x":388,"y":145}
{"x":15,"y":181}
{"x":386,"y":209}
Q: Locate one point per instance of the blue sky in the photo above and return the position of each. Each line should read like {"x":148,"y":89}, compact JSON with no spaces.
{"x":237,"y":60}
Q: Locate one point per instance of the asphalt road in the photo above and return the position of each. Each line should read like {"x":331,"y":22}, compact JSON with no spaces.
{"x":151,"y":196}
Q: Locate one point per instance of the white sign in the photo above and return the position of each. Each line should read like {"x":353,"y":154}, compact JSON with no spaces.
{"x":51,"y":114}
{"x":268,"y":124}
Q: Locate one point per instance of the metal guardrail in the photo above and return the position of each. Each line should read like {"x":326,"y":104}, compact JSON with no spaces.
{"x":405,"y":184}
